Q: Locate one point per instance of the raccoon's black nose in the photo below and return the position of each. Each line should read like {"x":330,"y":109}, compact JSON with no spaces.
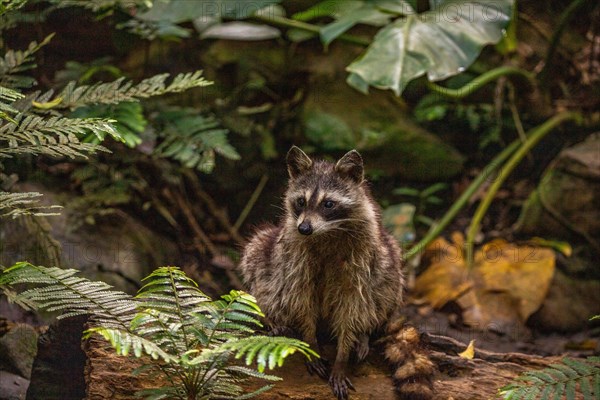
{"x":305,"y":228}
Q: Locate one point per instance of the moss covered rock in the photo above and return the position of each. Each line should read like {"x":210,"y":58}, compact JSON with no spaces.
{"x":336,"y":115}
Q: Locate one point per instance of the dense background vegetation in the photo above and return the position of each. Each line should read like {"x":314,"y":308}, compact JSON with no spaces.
{"x":161,"y":128}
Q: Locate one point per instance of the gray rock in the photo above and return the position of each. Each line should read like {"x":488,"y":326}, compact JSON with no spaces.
{"x":566,"y":204}
{"x":18,"y":348}
{"x":568,"y":306}
{"x":118,"y":249}
{"x":337,"y":117}
{"x":12,"y":387}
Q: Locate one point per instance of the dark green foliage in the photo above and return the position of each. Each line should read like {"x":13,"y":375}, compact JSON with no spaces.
{"x":129,"y":120}
{"x":171,"y":319}
{"x":423,"y":200}
{"x":75,"y":121}
{"x":192,"y":139}
{"x":565,"y":379}
{"x":163,"y":19}
{"x":14,"y":62}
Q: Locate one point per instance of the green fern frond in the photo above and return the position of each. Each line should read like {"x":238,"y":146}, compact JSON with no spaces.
{"x":557,"y":380}
{"x":128,"y":116}
{"x":55,"y":136}
{"x":10,"y":5}
{"x":73,"y":96}
{"x":17,"y":61}
{"x":61,"y":290}
{"x":194,"y":336}
{"x":268,"y":351}
{"x":17,"y":204}
{"x":168,"y":302}
{"x":9,"y":95}
{"x":124,"y":342}
{"x":254,"y":393}
{"x":238,"y":370}
{"x":193,"y":139}
{"x":169,"y":290}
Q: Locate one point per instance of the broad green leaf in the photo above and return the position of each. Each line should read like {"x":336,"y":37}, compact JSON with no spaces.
{"x":441,"y":43}
{"x":178,"y":11}
{"x":367,"y":13}
{"x":328,"y":8}
{"x":400,"y":7}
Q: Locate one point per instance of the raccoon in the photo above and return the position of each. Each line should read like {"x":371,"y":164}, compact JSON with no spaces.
{"x":330,"y":262}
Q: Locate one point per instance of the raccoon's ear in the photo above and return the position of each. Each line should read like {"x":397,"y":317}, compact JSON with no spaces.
{"x":297,"y":162}
{"x":351,"y":166}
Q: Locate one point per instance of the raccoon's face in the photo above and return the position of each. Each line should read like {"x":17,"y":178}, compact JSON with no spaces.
{"x":321,"y":196}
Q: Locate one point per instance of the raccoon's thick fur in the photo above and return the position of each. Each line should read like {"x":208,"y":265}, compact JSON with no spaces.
{"x":330,"y":262}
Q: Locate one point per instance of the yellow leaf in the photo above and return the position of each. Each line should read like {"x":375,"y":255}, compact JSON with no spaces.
{"x":507,"y":284}
{"x":469,"y":352}
{"x":47,"y":105}
{"x":522,"y":272}
{"x":446,"y":278}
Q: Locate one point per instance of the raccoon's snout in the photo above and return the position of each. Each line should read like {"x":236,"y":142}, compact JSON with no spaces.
{"x":305,"y":228}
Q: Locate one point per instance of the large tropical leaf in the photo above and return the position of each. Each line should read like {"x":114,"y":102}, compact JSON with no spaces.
{"x":441,"y":43}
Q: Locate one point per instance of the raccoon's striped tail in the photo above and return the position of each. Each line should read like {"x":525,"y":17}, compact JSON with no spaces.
{"x":413,"y":370}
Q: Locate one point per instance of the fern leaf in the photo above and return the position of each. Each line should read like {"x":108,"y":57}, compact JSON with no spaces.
{"x":557,"y":380}
{"x":192,"y":139}
{"x":252,"y":394}
{"x":25,"y":204}
{"x":129,"y":120}
{"x":124,"y":341}
{"x":10,"y":95}
{"x":55,"y":136}
{"x":268,"y":351}
{"x":249,"y":372}
{"x":16,"y":61}
{"x":64,"y":291}
{"x":546,"y":393}
{"x":11,"y":6}
{"x":118,"y":91}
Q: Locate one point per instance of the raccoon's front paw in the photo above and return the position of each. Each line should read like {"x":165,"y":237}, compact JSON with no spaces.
{"x":319,"y":367}
{"x":340,"y":384}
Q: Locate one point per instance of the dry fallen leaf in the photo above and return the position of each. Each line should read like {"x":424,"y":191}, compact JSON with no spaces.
{"x":507,"y":284}
{"x":469,"y":352}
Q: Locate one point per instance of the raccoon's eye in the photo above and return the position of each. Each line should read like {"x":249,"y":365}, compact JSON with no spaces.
{"x":301,"y":202}
{"x":329,"y":204}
